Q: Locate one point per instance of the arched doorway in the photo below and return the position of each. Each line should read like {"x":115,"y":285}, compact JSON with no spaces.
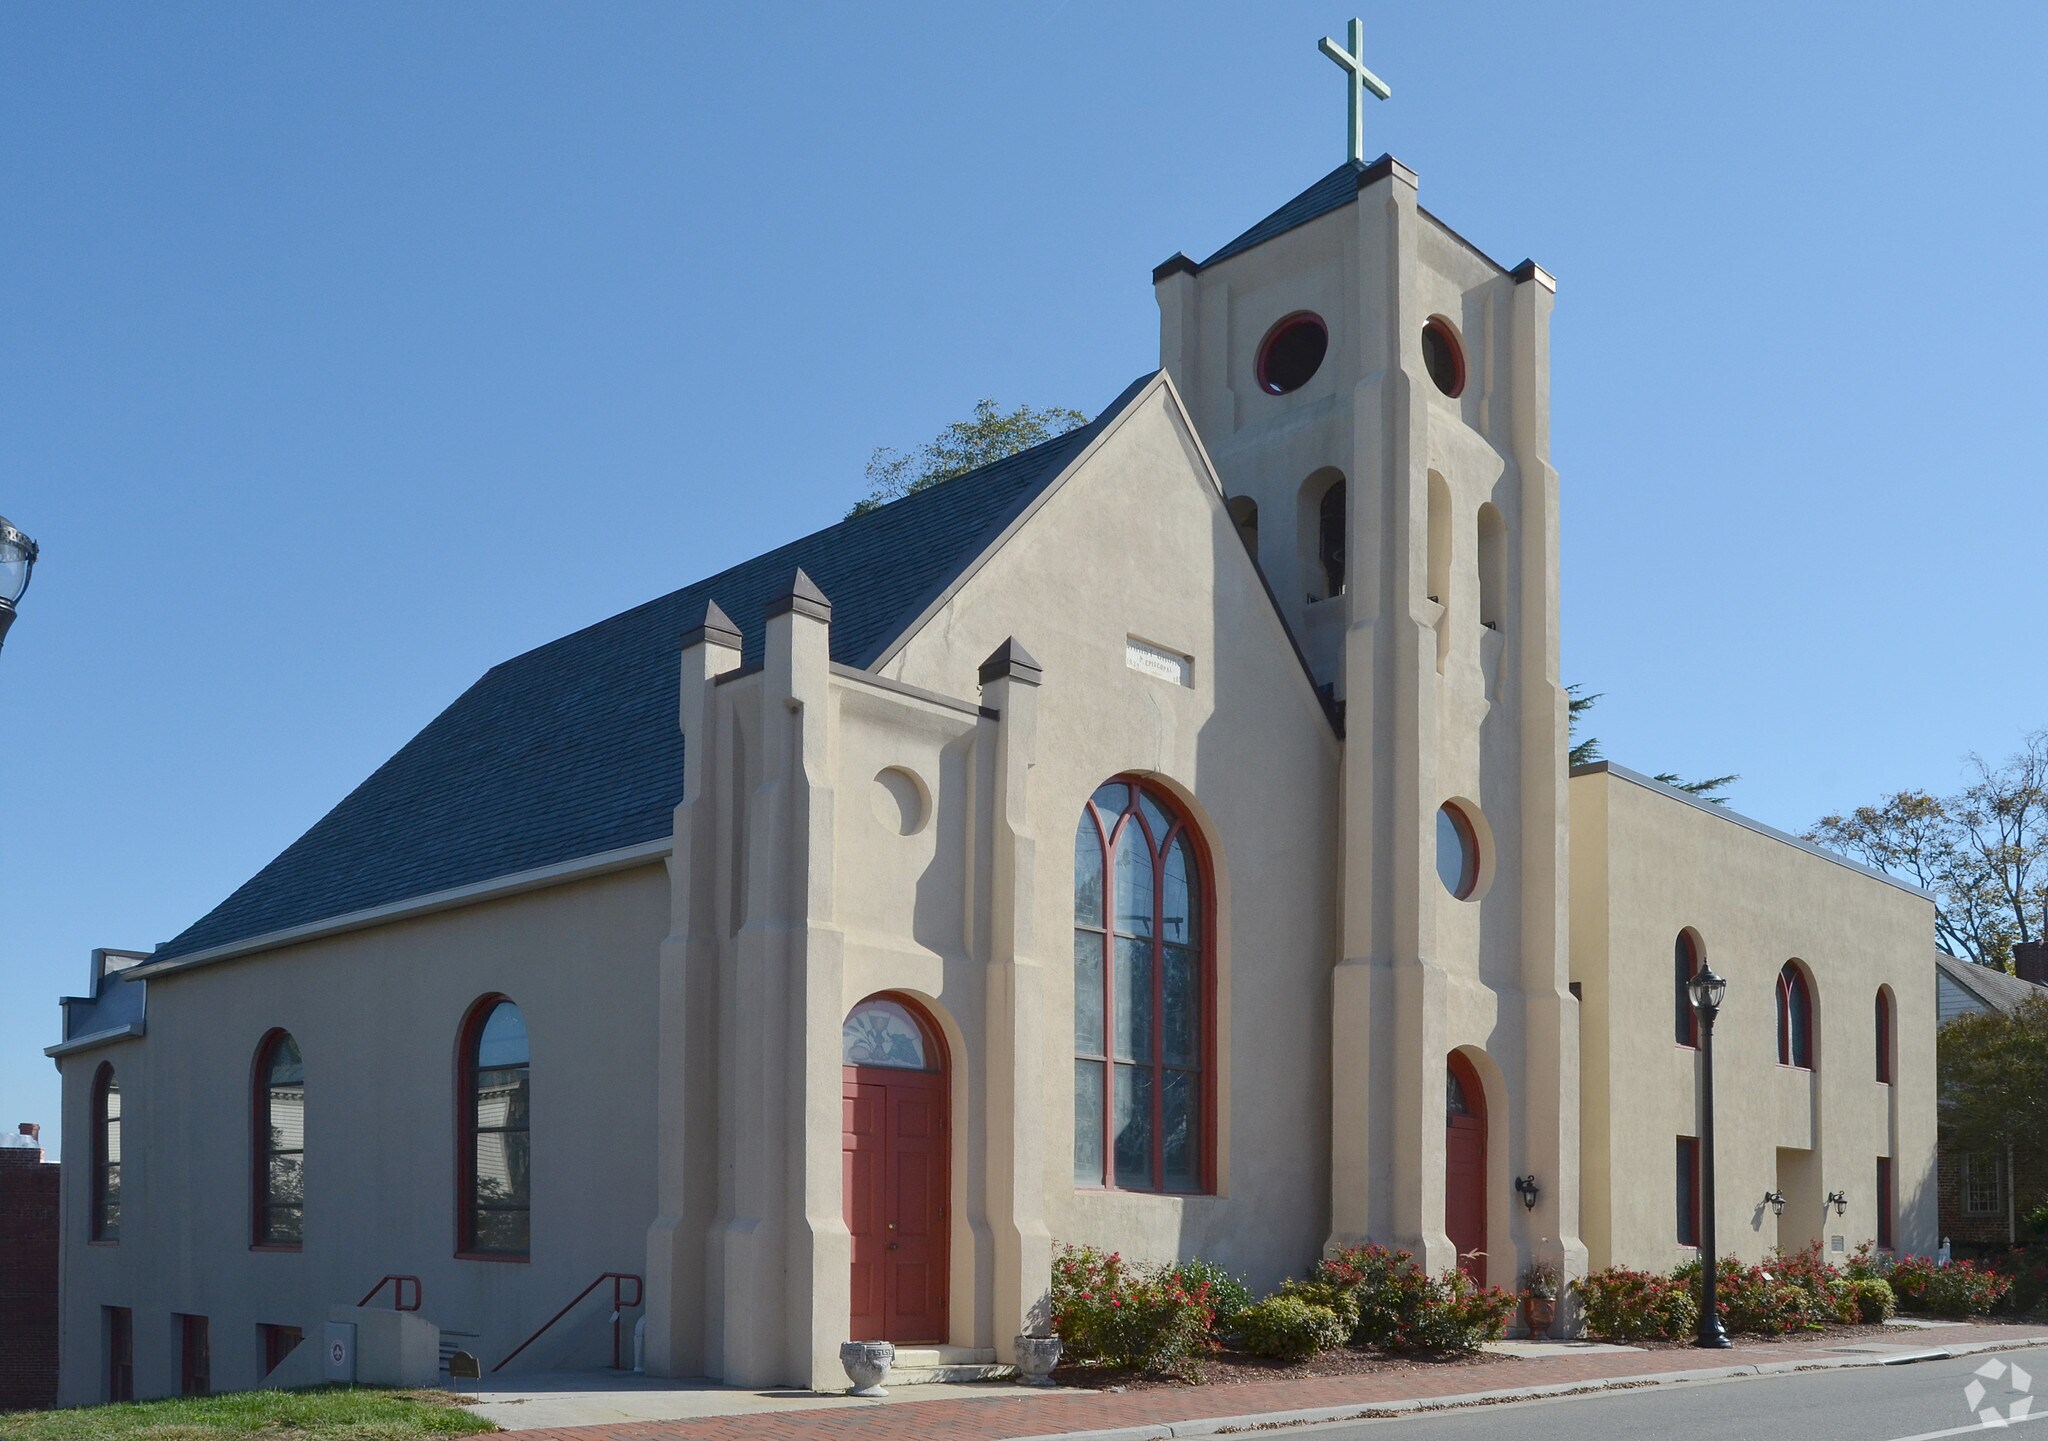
{"x":893,"y":1147}
{"x":1465,"y":1166}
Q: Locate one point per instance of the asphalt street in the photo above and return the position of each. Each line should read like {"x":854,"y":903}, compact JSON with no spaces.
{"x":1919,"y":1402}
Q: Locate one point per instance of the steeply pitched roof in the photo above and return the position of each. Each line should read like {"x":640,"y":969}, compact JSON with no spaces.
{"x":572,"y":750}
{"x":1338,"y":188}
{"x":1994,"y":988}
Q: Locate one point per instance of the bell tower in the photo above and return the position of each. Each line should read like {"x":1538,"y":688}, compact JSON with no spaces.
{"x":1374,"y":391}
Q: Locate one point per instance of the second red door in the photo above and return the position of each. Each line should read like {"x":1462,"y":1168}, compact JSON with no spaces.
{"x":894,"y":1152}
{"x":1465,"y":1168}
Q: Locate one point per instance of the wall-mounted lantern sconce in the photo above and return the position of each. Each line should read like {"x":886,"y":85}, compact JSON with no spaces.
{"x":1527,"y":1186}
{"x":1776,"y":1201}
{"x":1840,"y":1201}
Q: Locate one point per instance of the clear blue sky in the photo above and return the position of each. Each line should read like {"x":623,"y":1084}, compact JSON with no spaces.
{"x":346,"y":350}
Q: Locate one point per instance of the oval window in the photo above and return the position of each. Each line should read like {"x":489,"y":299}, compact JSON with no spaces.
{"x":1292,"y":352}
{"x":1457,"y":851}
{"x":1443,"y":356}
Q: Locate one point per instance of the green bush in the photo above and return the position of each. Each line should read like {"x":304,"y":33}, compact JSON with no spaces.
{"x":1399,"y":1307}
{"x":1795,"y":1291}
{"x":1108,"y":1311}
{"x":1336,"y":1299}
{"x":1228,"y":1294}
{"x":1957,"y":1289}
{"x":1287,"y":1327}
{"x":1873,"y":1300}
{"x":1625,"y":1305}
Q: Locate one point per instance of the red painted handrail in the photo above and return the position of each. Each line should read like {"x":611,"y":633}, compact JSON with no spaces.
{"x":619,"y":1304}
{"x":397,"y":1285}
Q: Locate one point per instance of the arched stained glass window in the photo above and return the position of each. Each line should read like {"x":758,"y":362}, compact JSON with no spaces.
{"x":280,"y":1136}
{"x":1795,"y":1017}
{"x":1141,"y":995}
{"x":106,"y":1155}
{"x":882,"y":1032}
{"x":497,"y":1152}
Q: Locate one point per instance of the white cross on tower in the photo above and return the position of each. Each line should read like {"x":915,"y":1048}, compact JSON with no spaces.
{"x":1361,"y":80}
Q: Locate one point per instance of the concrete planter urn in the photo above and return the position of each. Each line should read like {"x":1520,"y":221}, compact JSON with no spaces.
{"x":867,"y":1365}
{"x":1036,"y":1356}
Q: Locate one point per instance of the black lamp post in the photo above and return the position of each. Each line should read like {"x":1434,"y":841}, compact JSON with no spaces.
{"x":1706,"y":991}
{"x":17,"y":561}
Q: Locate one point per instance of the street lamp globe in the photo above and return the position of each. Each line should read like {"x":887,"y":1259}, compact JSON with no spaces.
{"x":17,"y":562}
{"x":1707,"y":990}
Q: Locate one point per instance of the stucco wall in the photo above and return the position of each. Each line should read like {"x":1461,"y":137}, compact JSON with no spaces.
{"x":376,"y":1015}
{"x":1137,"y":545}
{"x":1645,"y":865}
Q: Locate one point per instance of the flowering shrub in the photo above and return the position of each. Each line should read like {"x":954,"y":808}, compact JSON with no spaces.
{"x":1792,"y":1291}
{"x":1109,"y":1311}
{"x":1867,"y":1263}
{"x":1958,"y":1289}
{"x":1399,"y":1307}
{"x":1625,"y":1305}
{"x":2027,"y":1268}
{"x":1288,"y":1327}
{"x":1228,"y":1294}
{"x":1873,"y":1300}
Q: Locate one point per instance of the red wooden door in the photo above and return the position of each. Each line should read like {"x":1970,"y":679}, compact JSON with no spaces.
{"x":1465,"y":1168}
{"x":893,"y":1146}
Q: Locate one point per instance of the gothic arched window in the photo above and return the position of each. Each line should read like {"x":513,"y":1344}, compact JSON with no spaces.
{"x":1141,"y":995}
{"x":497,"y":1156}
{"x":1795,"y":1017}
{"x":1685,"y":960}
{"x":1884,"y":1035}
{"x":279,"y":1116}
{"x":106,"y":1155}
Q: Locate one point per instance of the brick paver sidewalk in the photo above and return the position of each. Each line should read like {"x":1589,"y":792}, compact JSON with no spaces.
{"x":1013,"y":1415}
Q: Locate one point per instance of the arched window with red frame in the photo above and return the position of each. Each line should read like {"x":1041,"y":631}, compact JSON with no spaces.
{"x":106,"y":1154}
{"x":278,"y":1134}
{"x":1685,"y":963}
{"x":1883,"y":1026}
{"x":495,"y":1155}
{"x":1795,"y":1017}
{"x":1142,"y":995}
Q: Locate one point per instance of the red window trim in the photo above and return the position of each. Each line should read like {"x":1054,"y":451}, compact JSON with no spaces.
{"x":1280,"y":327}
{"x":1692,"y":1144}
{"x":1206,"y":958}
{"x":1885,"y":1203}
{"x":1448,"y":333}
{"x":259,"y":1147}
{"x":1792,"y":975}
{"x":102,"y":1079}
{"x":1884,"y":1035}
{"x":1684,"y":970}
{"x":465,"y":1134}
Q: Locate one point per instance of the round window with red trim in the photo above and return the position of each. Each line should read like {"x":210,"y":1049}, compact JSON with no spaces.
{"x":1443,"y":357}
{"x":1457,"y":851}
{"x":1292,"y":352}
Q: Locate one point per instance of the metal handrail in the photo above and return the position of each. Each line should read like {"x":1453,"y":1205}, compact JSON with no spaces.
{"x":397,"y":1284}
{"x":619,"y":1304}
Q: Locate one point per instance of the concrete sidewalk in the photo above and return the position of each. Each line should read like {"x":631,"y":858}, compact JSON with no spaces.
{"x":1003,"y":1412}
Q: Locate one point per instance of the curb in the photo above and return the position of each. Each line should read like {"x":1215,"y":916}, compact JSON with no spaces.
{"x":1386,"y":1410}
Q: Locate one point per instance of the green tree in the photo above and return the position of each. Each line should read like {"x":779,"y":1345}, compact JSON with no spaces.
{"x":1982,"y":853}
{"x":1585,"y":752}
{"x":991,"y":434}
{"x":1993,"y":1070}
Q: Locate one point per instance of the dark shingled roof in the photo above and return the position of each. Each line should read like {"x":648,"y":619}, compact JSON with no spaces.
{"x":1338,"y":188}
{"x":572,"y":749}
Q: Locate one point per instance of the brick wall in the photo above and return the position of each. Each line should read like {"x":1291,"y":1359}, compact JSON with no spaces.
{"x":28,"y":1280}
{"x":1980,"y":1234}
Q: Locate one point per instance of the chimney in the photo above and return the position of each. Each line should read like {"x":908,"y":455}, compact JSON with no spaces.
{"x":24,"y":1148}
{"x":2030,"y":960}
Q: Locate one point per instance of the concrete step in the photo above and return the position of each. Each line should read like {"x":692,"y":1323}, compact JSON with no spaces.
{"x":930,"y":1365}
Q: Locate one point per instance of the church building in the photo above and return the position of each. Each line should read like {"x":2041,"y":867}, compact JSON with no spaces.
{"x":1160,"y":839}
